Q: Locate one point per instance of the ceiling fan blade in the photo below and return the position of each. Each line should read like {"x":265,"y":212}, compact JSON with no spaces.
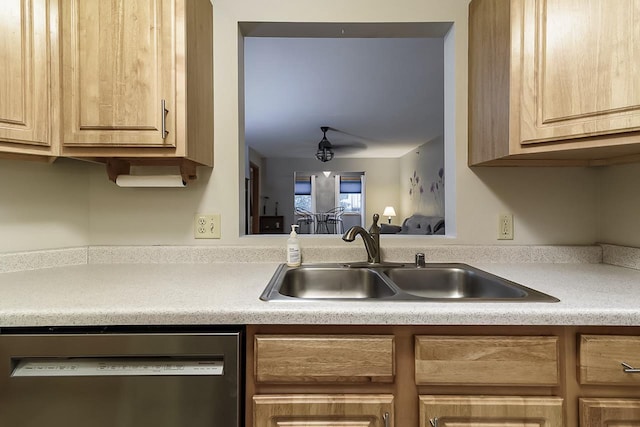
{"x":351,"y":146}
{"x":353,"y":136}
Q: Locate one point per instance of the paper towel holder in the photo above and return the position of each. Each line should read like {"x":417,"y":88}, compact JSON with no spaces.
{"x":117,"y":167}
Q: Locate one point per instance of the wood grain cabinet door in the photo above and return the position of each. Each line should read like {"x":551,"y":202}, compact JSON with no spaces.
{"x":609,"y":412}
{"x":580,"y":68}
{"x":318,"y":410}
{"x":610,"y":359}
{"x":474,"y":411}
{"x":486,"y":360}
{"x":118,"y":67}
{"x":24,"y":76}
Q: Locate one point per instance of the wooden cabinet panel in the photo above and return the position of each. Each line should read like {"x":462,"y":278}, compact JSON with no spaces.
{"x":554,"y":82}
{"x":609,"y":412}
{"x":138,"y":78}
{"x":601,"y":358}
{"x":474,"y":411}
{"x":117,"y":67}
{"x":581,"y":62}
{"x":486,"y":360}
{"x":24,"y":76}
{"x":324,"y":358}
{"x":319,"y":410}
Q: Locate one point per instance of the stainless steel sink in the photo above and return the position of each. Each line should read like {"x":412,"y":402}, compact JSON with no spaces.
{"x":434,"y":282}
{"x":334,"y":283}
{"x":460,"y":282}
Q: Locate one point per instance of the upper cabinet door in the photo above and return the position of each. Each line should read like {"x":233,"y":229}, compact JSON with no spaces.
{"x":24,"y":76}
{"x":580,"y":68}
{"x":118,"y":67}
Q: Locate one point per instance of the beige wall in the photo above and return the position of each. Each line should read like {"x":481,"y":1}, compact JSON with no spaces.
{"x":425,"y":161}
{"x":620,"y":205}
{"x":43,"y":206}
{"x":54,"y":208}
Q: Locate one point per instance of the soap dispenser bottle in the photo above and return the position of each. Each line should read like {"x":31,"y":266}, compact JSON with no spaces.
{"x":293,"y":248}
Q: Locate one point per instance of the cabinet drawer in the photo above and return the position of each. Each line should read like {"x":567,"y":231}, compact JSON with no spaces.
{"x":602,"y":356}
{"x":490,"y":360}
{"x":323,"y":410}
{"x":324,"y":358}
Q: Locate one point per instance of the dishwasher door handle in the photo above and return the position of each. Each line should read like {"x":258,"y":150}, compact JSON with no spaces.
{"x":116,"y":366}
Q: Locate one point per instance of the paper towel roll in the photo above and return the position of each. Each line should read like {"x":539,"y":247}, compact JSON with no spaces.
{"x":150,"y":181}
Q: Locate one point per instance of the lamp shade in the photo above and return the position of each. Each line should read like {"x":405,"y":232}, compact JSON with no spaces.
{"x":389,"y":211}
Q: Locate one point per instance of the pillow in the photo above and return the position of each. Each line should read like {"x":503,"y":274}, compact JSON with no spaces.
{"x":389,"y":229}
{"x":439,"y":227}
{"x":422,"y":224}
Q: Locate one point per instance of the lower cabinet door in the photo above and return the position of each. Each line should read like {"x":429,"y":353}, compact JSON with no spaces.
{"x":323,"y":410}
{"x":493,"y":411}
{"x":609,"y":412}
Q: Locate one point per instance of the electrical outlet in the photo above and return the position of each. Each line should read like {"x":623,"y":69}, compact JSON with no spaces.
{"x":505,"y":226}
{"x":206,"y":226}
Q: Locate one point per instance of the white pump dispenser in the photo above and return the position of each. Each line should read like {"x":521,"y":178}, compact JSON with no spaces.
{"x":293,"y":248}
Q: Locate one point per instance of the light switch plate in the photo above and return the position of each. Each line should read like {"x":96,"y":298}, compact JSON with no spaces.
{"x":206,"y":226}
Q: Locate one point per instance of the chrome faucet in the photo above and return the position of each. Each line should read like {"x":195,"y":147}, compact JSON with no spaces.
{"x":371,"y":239}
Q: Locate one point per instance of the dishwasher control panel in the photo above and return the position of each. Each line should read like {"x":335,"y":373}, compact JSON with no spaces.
{"x":115,"y":366}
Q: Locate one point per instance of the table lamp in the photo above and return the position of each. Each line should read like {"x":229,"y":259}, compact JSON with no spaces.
{"x":389,"y":211}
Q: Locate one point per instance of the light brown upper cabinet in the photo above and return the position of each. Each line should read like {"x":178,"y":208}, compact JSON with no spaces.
{"x":138,"y":81}
{"x":27,"y":72}
{"x":554,"y":82}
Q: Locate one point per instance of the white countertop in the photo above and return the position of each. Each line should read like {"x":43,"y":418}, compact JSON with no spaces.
{"x":228,"y":293}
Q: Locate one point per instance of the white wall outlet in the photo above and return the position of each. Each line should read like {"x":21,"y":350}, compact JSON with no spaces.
{"x":505,"y":226}
{"x":206,"y":226}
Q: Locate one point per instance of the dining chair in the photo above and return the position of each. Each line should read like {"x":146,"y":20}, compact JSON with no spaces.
{"x":304,"y":217}
{"x":322,"y":225}
{"x":334,"y":219}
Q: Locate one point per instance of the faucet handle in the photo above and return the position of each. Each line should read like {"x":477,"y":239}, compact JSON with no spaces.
{"x":420,"y":260}
{"x":375,"y":228}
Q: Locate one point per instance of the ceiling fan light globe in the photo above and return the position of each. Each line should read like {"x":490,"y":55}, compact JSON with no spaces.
{"x":324,"y":155}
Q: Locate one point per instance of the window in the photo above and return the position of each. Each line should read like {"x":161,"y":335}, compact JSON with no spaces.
{"x":351,"y":193}
{"x":303,"y":193}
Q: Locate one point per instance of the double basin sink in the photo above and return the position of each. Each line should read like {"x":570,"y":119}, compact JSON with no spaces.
{"x":395,"y":282}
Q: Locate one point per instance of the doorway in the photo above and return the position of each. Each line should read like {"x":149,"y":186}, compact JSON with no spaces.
{"x":254,"y":185}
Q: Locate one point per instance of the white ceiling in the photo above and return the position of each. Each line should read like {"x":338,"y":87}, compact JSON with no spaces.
{"x":381,"y":96}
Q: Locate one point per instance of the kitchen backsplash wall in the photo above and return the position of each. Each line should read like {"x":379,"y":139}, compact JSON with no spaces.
{"x":42,"y":205}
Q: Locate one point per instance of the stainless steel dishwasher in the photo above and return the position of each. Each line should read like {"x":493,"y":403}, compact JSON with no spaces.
{"x":121,"y":377}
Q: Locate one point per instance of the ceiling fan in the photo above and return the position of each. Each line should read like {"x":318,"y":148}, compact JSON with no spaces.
{"x":326,"y":149}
